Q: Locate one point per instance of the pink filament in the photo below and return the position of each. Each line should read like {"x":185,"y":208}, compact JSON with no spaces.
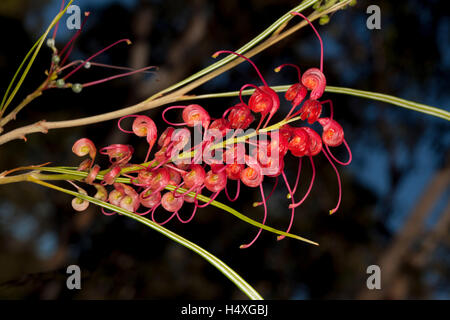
{"x":292,"y":209}
{"x":318,"y":36}
{"x":193,"y":211}
{"x":243,"y":88}
{"x":92,"y":83}
{"x":245,"y":58}
{"x":339,"y":182}
{"x":271,"y":192}
{"x":190,"y":218}
{"x":260,"y":121}
{"x":298,"y":174}
{"x":237,"y":191}
{"x":165,"y":221}
{"x":349,"y":155}
{"x":268,"y":119}
{"x":143,"y":213}
{"x":214,"y":196}
{"x":124,"y":117}
{"x":292,"y":206}
{"x":331,"y":107}
{"x":170,"y":123}
{"x":72,"y":41}
{"x":294,"y":66}
{"x":94,"y":55}
{"x":107,"y":213}
{"x":290,"y":112}
{"x":245,"y":246}
{"x":57,"y":23}
{"x":97,"y":64}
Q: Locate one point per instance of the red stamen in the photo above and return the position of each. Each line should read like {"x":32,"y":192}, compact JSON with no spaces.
{"x":237,"y":191}
{"x":349,"y":155}
{"x":318,"y":36}
{"x":298,"y":174}
{"x":292,"y":209}
{"x":339,"y":183}
{"x":245,"y":246}
{"x":92,"y":83}
{"x":71,"y":42}
{"x":278,"y":69}
{"x":213,"y":197}
{"x":94,"y":55}
{"x":170,"y":123}
{"x":215,"y":55}
{"x":331,"y":107}
{"x":256,"y":204}
{"x":55,"y":30}
{"x":292,"y":206}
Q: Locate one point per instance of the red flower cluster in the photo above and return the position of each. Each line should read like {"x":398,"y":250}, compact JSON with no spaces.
{"x":240,"y":157}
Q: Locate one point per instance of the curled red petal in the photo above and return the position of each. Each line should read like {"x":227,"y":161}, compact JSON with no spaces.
{"x":251,"y":177}
{"x":315,"y":145}
{"x":300,"y":142}
{"x":160,"y":179}
{"x":149,"y":198}
{"x":220,"y":124}
{"x":171,"y":203}
{"x":83,"y":147}
{"x":195,"y":177}
{"x":215,"y":182}
{"x":79,"y":204}
{"x":240,"y":116}
{"x":314,"y":80}
{"x":144,"y":126}
{"x":92,"y":174}
{"x":233,"y":171}
{"x":333,"y":134}
{"x":85,"y":165}
{"x":111,"y":176}
{"x":166,"y":137}
{"x":194,"y":114}
{"x":310,"y":110}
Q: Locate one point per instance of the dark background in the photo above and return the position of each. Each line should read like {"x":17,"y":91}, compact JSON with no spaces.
{"x":395,"y":209}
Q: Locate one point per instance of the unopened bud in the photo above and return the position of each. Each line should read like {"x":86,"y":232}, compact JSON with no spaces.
{"x":77,"y":87}
{"x":60,"y":83}
{"x":56,"y":59}
{"x":50,"y":43}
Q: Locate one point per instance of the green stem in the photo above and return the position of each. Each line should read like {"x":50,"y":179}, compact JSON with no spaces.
{"x":246,"y":288}
{"x":419,"y":107}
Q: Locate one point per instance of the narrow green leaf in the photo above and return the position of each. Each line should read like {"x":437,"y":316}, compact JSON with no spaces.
{"x":35,"y":49}
{"x":246,"y":288}
{"x":17,"y":72}
{"x":440,"y":113}
{"x":419,"y":107}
